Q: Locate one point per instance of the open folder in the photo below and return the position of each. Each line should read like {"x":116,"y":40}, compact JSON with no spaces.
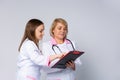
{"x":70,"y":56}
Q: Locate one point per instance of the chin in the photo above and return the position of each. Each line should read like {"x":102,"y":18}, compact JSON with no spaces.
{"x":40,"y":39}
{"x":61,"y":37}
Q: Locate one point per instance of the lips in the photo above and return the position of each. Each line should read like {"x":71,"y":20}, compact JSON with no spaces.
{"x":61,"y":34}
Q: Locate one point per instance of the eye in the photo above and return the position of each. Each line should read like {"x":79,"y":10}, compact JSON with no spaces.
{"x":41,"y":30}
{"x":59,"y":28}
{"x":65,"y":29}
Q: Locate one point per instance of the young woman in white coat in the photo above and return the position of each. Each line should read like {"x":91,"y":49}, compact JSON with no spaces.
{"x":57,"y":45}
{"x":31,"y":59}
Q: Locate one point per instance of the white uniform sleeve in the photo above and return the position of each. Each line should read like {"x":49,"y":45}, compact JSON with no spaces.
{"x":47,"y":50}
{"x":35,"y":55}
{"x":77,"y":61}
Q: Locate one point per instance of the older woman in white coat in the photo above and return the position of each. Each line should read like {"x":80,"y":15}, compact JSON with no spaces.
{"x":31,"y":59}
{"x":57,"y":45}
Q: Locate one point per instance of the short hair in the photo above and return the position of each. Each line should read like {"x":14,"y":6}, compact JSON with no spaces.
{"x":58,"y":20}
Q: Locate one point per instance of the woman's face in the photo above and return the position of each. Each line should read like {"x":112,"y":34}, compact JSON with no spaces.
{"x":60,"y":31}
{"x":39,"y":32}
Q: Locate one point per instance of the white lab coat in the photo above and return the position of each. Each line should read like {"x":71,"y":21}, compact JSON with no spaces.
{"x":30,"y":61}
{"x":55,"y":73}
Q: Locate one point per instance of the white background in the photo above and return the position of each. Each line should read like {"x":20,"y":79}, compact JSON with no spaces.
{"x":93,"y":24}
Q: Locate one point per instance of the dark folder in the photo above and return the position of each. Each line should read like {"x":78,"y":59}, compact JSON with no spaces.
{"x":71,"y":56}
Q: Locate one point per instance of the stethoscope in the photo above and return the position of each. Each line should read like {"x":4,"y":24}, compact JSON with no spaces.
{"x":60,"y":49}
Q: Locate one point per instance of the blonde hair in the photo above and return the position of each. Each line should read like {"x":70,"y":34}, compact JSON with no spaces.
{"x":58,"y":20}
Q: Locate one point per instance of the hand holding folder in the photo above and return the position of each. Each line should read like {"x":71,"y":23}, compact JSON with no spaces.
{"x":70,"y":56}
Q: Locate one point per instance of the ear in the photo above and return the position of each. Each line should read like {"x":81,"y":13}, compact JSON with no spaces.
{"x":53,"y":31}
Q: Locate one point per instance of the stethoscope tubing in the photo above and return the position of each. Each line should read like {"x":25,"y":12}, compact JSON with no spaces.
{"x":60,"y":49}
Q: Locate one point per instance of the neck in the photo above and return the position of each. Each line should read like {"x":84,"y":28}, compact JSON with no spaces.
{"x":59,"y":41}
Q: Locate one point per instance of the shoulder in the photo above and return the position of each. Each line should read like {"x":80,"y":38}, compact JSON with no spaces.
{"x":29,"y":44}
{"x":47,"y":43}
{"x":46,"y":47}
{"x":70,"y":41}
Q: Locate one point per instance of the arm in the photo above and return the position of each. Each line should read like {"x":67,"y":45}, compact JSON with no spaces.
{"x":37,"y":57}
{"x":77,"y":62}
{"x":71,"y":65}
{"x":55,"y":56}
{"x":47,"y":51}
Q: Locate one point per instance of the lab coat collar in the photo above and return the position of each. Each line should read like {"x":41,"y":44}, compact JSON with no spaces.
{"x":53,"y":42}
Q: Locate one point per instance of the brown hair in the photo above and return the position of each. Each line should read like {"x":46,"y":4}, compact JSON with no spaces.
{"x":30,"y":31}
{"x":58,"y":20}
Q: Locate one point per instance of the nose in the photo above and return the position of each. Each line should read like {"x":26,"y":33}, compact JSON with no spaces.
{"x":43,"y":33}
{"x":63,"y":30}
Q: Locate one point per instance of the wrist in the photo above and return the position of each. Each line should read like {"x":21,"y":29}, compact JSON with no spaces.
{"x":56,"y":56}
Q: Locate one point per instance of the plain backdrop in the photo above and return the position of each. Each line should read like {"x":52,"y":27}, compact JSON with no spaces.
{"x":93,"y":24}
